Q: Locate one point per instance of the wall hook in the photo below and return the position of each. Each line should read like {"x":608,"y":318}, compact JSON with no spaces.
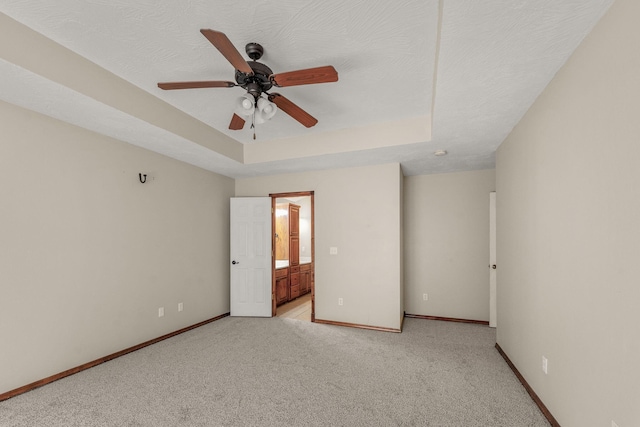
{"x":141,"y":178}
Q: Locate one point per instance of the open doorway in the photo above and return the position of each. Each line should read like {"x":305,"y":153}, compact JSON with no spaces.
{"x":293,"y":246}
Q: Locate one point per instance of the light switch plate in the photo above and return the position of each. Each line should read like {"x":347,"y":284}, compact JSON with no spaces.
{"x":333,"y":250}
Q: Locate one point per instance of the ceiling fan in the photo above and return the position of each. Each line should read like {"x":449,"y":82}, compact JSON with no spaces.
{"x":257,"y":79}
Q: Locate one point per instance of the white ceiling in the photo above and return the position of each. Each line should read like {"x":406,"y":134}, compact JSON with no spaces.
{"x":415,"y":76}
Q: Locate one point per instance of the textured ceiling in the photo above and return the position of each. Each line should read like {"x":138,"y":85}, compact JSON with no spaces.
{"x":414,"y":75}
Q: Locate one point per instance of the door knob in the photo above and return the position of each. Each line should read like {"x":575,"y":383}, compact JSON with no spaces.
{"x":493,"y":266}
{"x":234,"y":262}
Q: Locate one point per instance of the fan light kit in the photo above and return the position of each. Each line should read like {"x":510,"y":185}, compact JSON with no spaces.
{"x":257,"y":79}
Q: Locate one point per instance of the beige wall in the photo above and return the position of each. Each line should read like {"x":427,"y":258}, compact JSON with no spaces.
{"x":568,"y":212}
{"x":357,"y":210}
{"x":88,"y":253}
{"x":446,"y":244}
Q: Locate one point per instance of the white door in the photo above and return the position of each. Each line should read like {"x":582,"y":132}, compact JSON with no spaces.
{"x":251,"y":256}
{"x":493,"y":321}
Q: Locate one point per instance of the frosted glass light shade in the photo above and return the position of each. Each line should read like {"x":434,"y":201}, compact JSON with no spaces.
{"x":265,"y":110}
{"x":245,"y":105}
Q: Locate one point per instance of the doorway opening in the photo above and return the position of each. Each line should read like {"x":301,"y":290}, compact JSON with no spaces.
{"x":293,"y":248}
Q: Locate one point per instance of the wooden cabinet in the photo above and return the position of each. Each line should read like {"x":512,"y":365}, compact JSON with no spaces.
{"x":294,"y":282}
{"x":294,"y":254}
{"x":294,"y":220}
{"x":282,"y":286}
{"x":294,"y":235}
{"x":305,"y":278}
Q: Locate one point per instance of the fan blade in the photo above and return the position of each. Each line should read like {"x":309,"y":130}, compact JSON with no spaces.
{"x":293,"y":110}
{"x":194,"y":85}
{"x":237,"y":122}
{"x":226,"y":48}
{"x":326,"y":74}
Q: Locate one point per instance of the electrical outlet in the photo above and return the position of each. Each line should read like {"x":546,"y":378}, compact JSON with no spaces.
{"x":340,"y":301}
{"x":180,"y":306}
{"x":425,"y":297}
{"x":333,"y":250}
{"x":545,"y":364}
{"x":161,"y":312}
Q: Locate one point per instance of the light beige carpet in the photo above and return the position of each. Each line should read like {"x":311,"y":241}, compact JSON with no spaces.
{"x":284,"y":372}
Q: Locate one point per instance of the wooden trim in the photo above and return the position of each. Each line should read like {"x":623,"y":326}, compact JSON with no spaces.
{"x":545,"y":411}
{"x":355,"y":325}
{"x":447,"y":319}
{"x":293,"y":194}
{"x":274,"y":303}
{"x":20,"y":390}
{"x":313,"y":258}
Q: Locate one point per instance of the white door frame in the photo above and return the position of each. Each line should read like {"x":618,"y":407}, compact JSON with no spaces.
{"x":493,"y":318}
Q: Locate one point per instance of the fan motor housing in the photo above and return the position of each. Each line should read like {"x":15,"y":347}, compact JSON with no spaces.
{"x":260,"y":77}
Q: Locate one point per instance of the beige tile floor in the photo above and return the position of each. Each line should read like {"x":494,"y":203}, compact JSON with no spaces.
{"x":299,"y":309}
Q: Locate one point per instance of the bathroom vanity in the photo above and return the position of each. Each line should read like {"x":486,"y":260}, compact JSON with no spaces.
{"x":293,"y":281}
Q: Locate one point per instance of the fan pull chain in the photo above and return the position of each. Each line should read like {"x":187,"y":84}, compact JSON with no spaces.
{"x":253,"y":121}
